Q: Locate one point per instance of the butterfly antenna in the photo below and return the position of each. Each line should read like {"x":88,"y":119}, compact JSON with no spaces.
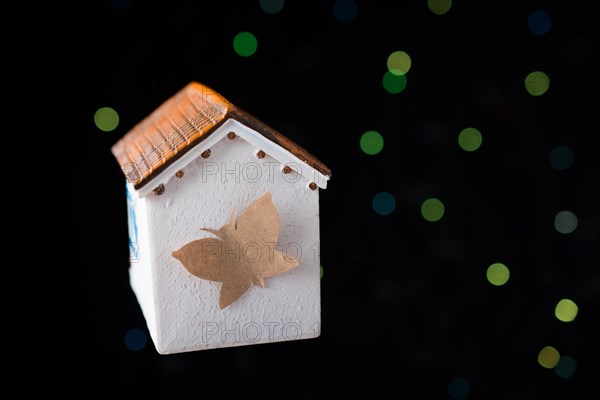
{"x":232,"y":218}
{"x":214,"y":232}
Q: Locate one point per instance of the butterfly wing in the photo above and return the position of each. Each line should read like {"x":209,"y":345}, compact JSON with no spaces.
{"x":204,"y":258}
{"x":259,"y":223}
{"x":279,"y":262}
{"x":233,"y":289}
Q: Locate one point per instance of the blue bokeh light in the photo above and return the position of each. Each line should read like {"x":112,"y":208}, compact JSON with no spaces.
{"x":384,"y":203}
{"x":271,"y":6}
{"x":566,"y":367}
{"x":344,"y":10}
{"x":135,"y":339}
{"x":539,"y":22}
{"x":459,"y":388}
{"x":121,"y":4}
{"x":561,"y":157}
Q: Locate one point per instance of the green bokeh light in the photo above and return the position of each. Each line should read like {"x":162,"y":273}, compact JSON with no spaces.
{"x":498,"y":274}
{"x":394,"y":83}
{"x":537,"y":83}
{"x":566,"y":310}
{"x":548,"y":357}
{"x":321,"y":272}
{"x":439,"y":7}
{"x":106,"y":119}
{"x":469,"y":139}
{"x":565,"y":222}
{"x":399,"y":63}
{"x":245,"y":44}
{"x":371,"y":142}
{"x":432,"y":209}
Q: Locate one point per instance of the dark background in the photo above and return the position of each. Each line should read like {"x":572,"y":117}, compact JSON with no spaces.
{"x":406,"y":307}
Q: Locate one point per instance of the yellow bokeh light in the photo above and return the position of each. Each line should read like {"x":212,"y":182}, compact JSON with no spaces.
{"x":106,"y":119}
{"x":548,"y":357}
{"x":399,"y":63}
{"x":537,"y":83}
{"x":566,"y":310}
{"x":469,"y":139}
{"x":439,"y":7}
{"x":497,"y":274}
{"x":432,"y":209}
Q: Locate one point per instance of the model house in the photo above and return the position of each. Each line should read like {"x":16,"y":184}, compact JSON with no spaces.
{"x":223,"y":225}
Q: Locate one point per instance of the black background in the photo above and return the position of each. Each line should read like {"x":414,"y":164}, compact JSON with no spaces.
{"x":406,"y":306}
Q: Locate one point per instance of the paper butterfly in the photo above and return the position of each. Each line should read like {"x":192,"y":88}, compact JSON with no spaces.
{"x":243,"y":255}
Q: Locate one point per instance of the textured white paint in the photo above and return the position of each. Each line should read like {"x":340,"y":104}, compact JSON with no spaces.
{"x":140,"y":270}
{"x":182,"y":310}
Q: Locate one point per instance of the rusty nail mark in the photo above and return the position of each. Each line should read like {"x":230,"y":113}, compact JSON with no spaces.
{"x":312,"y":186}
{"x":160,"y":189}
{"x":179,"y":174}
{"x":205,"y":153}
{"x":260,"y":154}
{"x":231,"y":135}
{"x":287,"y":170}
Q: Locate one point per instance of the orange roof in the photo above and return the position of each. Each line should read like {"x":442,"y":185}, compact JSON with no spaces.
{"x":179,"y":124}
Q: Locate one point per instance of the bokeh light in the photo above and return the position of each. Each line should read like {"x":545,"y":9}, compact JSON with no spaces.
{"x":561,"y":157}
{"x":384,"y":203}
{"x":565,"y":222}
{"x":135,"y":339}
{"x":459,"y":388}
{"x":121,"y":4}
{"x":245,"y":44}
{"x":399,"y":63}
{"x":566,"y":310}
{"x":537,"y":83}
{"x":469,"y":139}
{"x":548,"y":357}
{"x":271,"y":6}
{"x":432,"y":209}
{"x":344,"y":10}
{"x":539,"y":22}
{"x":321,"y":271}
{"x":394,"y":83}
{"x":106,"y":119}
{"x":371,"y":142}
{"x":566,"y":367}
{"x":497,"y":274}
{"x":439,"y":7}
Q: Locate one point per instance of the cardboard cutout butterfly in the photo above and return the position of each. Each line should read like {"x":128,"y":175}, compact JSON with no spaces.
{"x":244,"y":253}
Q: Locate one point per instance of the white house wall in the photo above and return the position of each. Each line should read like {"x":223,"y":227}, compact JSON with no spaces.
{"x":141,"y":268}
{"x":187,"y":309}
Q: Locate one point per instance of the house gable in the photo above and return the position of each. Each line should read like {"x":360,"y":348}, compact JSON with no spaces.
{"x":190,"y":118}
